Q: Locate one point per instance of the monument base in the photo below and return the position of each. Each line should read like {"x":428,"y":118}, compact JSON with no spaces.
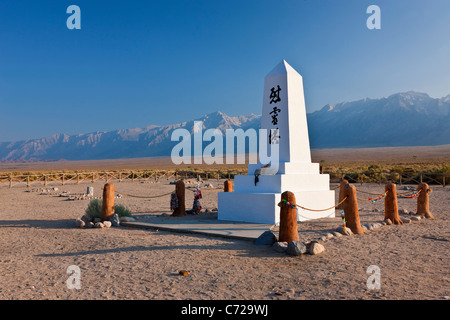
{"x":263,"y":207}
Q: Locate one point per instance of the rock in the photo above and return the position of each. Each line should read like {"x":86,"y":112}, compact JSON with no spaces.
{"x":183,"y":272}
{"x":296,"y":248}
{"x":405,"y":220}
{"x":97,"y":220}
{"x":127,"y":219}
{"x":416,"y":218}
{"x":79,"y":223}
{"x":86,"y":218}
{"x":337,"y":234}
{"x":344,"y":231}
{"x":383,"y":223}
{"x":315,"y":248}
{"x":114,"y":219}
{"x":376,"y":225}
{"x":388,"y":221}
{"x":376,"y":210}
{"x":98,"y":225}
{"x":89,"y":224}
{"x":280,"y":246}
{"x":266,"y":238}
{"x":369,"y":226}
{"x":107,"y":224}
{"x":364,"y":227}
{"x":403,"y":211}
{"x":329,"y":235}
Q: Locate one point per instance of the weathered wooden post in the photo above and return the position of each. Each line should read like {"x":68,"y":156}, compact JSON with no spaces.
{"x":423,"y":205}
{"x":390,"y":204}
{"x":351,"y":212}
{"x":341,"y":193}
{"x":228,"y":186}
{"x":180,"y":190}
{"x":108,"y":201}
{"x":288,"y":218}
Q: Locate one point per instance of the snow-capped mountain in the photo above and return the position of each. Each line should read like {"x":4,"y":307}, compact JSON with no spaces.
{"x":402,"y":119}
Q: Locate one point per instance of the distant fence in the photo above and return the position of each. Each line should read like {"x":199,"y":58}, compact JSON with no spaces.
{"x":399,"y":178}
{"x":63,"y":178}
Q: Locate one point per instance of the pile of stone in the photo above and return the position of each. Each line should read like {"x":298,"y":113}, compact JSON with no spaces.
{"x":43,"y":190}
{"x":82,"y":196}
{"x":313,"y":247}
{"x":114,"y":221}
{"x":294,"y":248}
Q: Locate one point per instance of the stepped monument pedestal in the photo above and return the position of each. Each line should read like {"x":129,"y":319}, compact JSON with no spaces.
{"x":256,"y":195}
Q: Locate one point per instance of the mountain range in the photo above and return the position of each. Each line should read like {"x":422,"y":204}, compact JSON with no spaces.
{"x":402,"y":119}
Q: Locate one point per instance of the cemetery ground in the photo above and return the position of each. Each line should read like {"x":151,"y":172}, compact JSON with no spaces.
{"x":40,"y":241}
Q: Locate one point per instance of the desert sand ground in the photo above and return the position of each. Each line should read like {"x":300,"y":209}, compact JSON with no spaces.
{"x":39,"y":243}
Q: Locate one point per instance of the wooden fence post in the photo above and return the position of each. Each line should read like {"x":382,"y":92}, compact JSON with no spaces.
{"x":288,"y":218}
{"x":423,"y":205}
{"x":180,"y":190}
{"x":108,"y":201}
{"x":341,"y":193}
{"x":228,"y":186}
{"x":351,"y":212}
{"x":390,"y":204}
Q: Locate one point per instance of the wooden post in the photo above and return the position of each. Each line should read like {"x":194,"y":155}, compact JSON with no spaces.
{"x":63,"y":178}
{"x":78,"y":178}
{"x":108,"y":201}
{"x":45,"y":180}
{"x":28,"y":181}
{"x":180,"y":190}
{"x":228,"y":186}
{"x":423,"y":205}
{"x":288,"y":219}
{"x":10,"y":182}
{"x":341,"y":193}
{"x":390,"y":204}
{"x":351,"y":212}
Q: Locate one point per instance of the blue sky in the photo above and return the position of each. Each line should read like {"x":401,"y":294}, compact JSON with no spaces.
{"x":136,"y":63}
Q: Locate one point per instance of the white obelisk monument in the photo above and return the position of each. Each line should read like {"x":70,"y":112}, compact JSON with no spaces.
{"x":257,"y":194}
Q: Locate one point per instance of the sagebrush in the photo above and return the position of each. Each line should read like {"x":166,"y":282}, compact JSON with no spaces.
{"x":94,"y":209}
